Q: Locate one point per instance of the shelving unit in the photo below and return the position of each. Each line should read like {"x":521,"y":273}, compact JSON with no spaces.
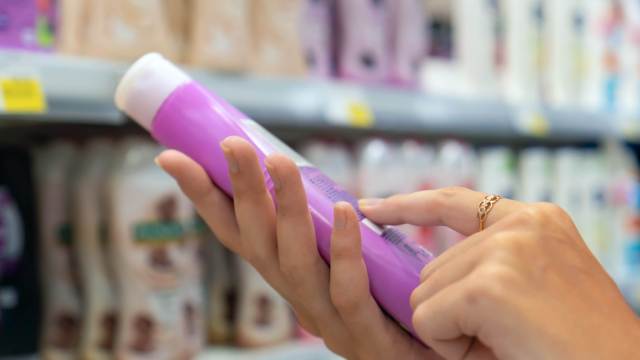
{"x":81,"y":91}
{"x":294,"y":351}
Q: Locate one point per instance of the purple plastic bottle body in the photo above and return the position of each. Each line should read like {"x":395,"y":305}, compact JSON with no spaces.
{"x":194,"y":121}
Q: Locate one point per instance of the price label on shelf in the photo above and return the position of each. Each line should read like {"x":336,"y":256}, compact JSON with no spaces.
{"x":533,"y":122}
{"x":22,"y":95}
{"x":349,"y":107}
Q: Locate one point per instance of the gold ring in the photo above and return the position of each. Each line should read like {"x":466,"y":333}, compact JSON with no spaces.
{"x":485,"y":207}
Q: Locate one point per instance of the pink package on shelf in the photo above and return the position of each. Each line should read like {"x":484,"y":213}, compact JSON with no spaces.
{"x":26,"y":24}
{"x":316,"y":37}
{"x":362,"y":38}
{"x":407,"y":41}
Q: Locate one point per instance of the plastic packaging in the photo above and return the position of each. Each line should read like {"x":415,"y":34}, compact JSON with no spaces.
{"x":277,"y":45}
{"x":124,"y":30}
{"x":526,"y":50}
{"x":19,"y":296}
{"x":147,"y":238}
{"x":317,"y":37}
{"x":335,"y":160}
{"x":60,"y":279}
{"x":26,"y":24}
{"x":407,"y":45}
{"x":535,"y":174}
{"x":92,"y":252}
{"x":72,"y":26}
{"x":362,"y":40}
{"x":182,"y":115}
{"x":263,"y":316}
{"x":220,"y":34}
{"x":221,"y":288}
{"x":479,"y":46}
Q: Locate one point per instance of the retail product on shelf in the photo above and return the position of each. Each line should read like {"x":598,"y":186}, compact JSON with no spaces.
{"x":497,"y":173}
{"x":164,"y":100}
{"x":479,"y":46}
{"x":526,"y":51}
{"x":27,"y":24}
{"x":125,"y":29}
{"x":71,"y":28}
{"x":375,"y":180}
{"x":220,"y":35}
{"x":98,"y":324}
{"x":263,"y":316}
{"x":362,"y":40}
{"x":149,"y":237}
{"x":408,"y":40}
{"x":221,"y":287}
{"x":277,"y":46}
{"x":317,"y":37}
{"x":19,"y":294}
{"x":566,"y":37}
{"x":59,"y":270}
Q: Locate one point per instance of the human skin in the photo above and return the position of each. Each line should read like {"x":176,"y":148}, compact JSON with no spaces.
{"x":526,"y":287}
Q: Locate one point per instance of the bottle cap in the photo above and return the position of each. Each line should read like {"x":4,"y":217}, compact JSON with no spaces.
{"x":145,"y":87}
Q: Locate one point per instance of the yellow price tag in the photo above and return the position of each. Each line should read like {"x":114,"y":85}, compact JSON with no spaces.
{"x":359,"y":114}
{"x":539,"y":125}
{"x":23,"y":95}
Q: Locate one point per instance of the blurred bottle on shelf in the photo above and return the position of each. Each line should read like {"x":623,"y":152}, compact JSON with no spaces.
{"x":497,"y":173}
{"x":362,"y":54}
{"x":316,"y":31}
{"x":263,"y":316}
{"x":91,"y":249}
{"x":125,"y":29}
{"x":408,"y":40}
{"x":220,"y":34}
{"x":157,"y":316}
{"x":221,"y":288}
{"x":277,"y":44}
{"x":62,"y":307}
{"x":20,"y":300}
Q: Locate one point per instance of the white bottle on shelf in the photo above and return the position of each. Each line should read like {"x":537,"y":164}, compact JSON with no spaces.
{"x":535,"y":175}
{"x":566,"y":37}
{"x":497,"y":173}
{"x":526,"y":51}
{"x":478,"y":46}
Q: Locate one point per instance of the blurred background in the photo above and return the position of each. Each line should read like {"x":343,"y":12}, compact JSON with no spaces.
{"x":100,"y":255}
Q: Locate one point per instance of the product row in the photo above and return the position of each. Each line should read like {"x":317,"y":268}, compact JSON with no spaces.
{"x":126,"y":268}
{"x":598,"y":187}
{"x":570,"y":53}
{"x":363,"y":40}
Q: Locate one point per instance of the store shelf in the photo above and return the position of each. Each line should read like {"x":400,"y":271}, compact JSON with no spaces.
{"x":81,"y":90}
{"x":313,"y":351}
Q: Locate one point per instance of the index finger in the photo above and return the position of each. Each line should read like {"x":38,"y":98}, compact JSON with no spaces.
{"x":454,"y":207}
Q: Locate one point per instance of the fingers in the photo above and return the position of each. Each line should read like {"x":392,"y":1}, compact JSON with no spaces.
{"x":444,"y":322}
{"x":350,"y":294}
{"x":211,"y":203}
{"x":298,"y":255}
{"x":255,"y":213}
{"x":455,"y":208}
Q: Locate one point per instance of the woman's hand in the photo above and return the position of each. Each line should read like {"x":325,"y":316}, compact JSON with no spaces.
{"x":527,"y":287}
{"x":334,"y":303}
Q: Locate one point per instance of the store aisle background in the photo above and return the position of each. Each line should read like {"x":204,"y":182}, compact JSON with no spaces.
{"x":536,"y":100}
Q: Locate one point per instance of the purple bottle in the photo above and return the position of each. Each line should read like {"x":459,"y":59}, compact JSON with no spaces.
{"x":183,"y":115}
{"x":362,"y":53}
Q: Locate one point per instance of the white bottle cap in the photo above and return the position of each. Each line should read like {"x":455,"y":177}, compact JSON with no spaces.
{"x":146,"y":85}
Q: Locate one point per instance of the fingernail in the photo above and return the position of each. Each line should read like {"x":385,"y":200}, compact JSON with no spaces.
{"x":275,"y":179}
{"x":369,"y":202}
{"x":155,"y":160}
{"x":232,"y":163}
{"x":339,"y":218}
